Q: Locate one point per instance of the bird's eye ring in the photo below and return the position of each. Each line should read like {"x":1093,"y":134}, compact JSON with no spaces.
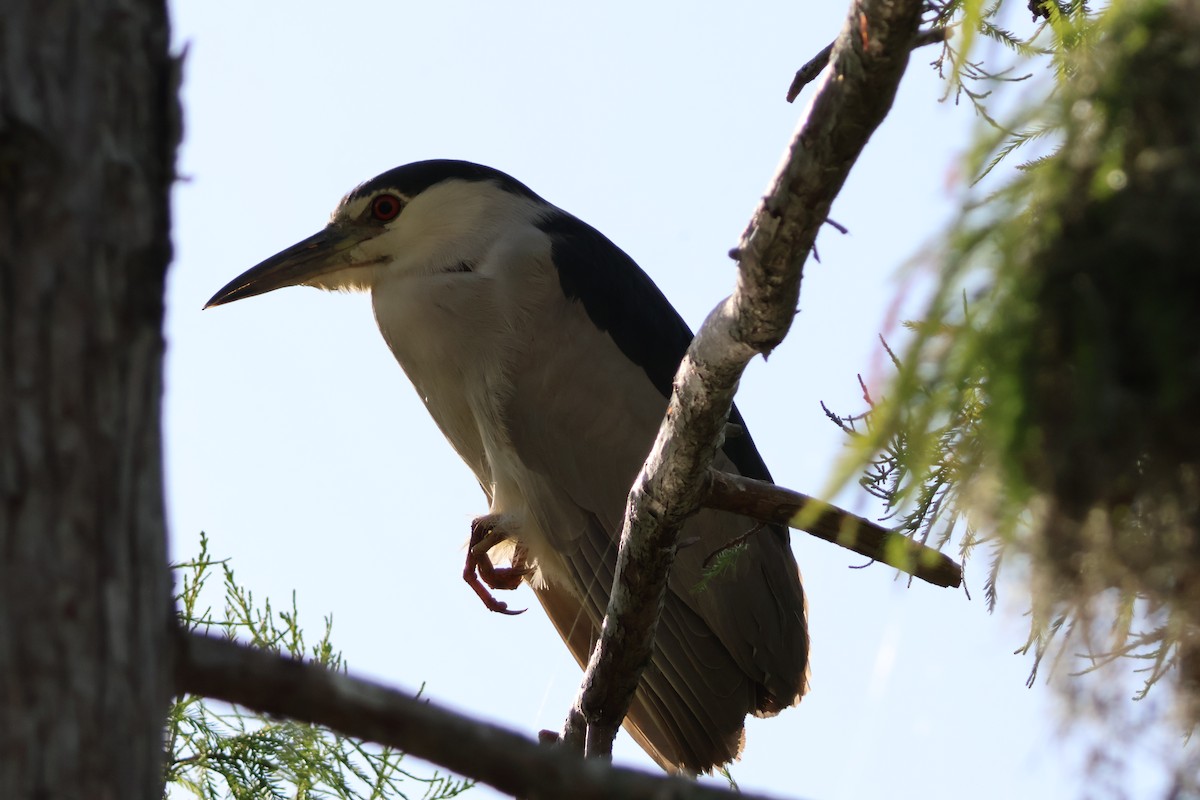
{"x":386,"y":207}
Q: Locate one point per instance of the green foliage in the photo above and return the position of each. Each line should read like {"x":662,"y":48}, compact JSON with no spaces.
{"x":217,"y":751}
{"x":1062,"y":28}
{"x":723,"y":561}
{"x":927,"y":511}
{"x":1051,"y":393}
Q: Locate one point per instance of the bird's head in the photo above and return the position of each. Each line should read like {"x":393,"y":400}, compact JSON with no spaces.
{"x":422,"y":218}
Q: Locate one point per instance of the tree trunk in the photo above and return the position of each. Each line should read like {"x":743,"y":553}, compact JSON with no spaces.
{"x":88,"y":128}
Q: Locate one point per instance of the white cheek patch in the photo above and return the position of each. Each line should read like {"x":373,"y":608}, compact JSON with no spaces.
{"x":451,"y":226}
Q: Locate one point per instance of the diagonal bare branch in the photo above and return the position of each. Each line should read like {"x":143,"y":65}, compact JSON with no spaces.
{"x":868,"y":59}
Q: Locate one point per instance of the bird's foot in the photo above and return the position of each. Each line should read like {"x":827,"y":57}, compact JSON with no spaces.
{"x":486,"y":533}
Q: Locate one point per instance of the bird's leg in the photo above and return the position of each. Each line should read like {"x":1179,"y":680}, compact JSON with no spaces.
{"x":479,"y":569}
{"x":503,"y":578}
{"x":506,"y":578}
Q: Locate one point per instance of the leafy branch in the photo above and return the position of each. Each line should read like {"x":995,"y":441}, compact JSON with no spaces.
{"x":216,"y":751}
{"x":1054,"y":407}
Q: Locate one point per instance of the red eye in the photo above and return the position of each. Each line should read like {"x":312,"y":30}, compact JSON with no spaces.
{"x":385,"y":207}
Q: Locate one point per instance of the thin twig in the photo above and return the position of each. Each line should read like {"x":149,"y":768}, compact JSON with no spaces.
{"x":809,"y":72}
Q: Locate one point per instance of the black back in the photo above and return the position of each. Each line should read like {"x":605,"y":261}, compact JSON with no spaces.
{"x":620,"y":298}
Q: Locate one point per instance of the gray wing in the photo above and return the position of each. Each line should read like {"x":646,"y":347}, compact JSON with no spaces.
{"x":582,"y":415}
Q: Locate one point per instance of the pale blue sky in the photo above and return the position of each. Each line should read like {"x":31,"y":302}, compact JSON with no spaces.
{"x":296,"y":442}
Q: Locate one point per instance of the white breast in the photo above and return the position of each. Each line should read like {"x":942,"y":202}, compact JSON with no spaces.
{"x":459,"y":336}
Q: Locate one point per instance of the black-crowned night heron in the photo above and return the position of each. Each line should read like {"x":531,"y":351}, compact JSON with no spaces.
{"x":546,"y":356}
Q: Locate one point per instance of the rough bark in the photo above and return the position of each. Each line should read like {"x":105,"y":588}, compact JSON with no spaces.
{"x":88,"y":126}
{"x":809,"y":72}
{"x":497,"y":756}
{"x":867,"y":61}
